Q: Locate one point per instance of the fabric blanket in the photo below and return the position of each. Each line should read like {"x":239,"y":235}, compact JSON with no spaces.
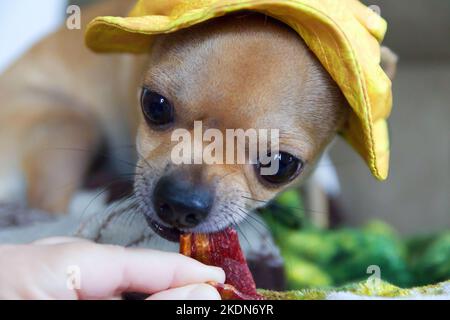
{"x":371,"y":289}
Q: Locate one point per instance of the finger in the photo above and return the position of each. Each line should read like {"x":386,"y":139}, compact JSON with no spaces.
{"x":110,"y":270}
{"x":190,"y":292}
{"x":58,"y":240}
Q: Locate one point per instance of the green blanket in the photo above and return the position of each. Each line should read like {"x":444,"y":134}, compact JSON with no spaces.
{"x":322,"y":258}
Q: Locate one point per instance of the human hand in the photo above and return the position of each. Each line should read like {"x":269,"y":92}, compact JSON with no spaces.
{"x":40,"y":271}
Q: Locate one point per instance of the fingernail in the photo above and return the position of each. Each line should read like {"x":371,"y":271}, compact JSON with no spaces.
{"x":218,"y":274}
{"x":203,"y":292}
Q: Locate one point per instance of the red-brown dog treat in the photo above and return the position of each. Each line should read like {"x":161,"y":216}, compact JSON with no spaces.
{"x":222,"y":249}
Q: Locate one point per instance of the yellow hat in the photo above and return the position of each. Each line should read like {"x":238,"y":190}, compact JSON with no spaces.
{"x":345,"y":36}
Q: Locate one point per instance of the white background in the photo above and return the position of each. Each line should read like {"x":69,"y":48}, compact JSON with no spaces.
{"x":23,"y":22}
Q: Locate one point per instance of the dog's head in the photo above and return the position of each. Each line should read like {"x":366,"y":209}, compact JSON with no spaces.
{"x":247,"y":72}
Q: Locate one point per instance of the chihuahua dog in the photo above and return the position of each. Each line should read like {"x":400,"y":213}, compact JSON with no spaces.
{"x":239,"y":71}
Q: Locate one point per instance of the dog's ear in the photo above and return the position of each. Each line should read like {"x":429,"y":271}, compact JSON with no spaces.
{"x":389,"y":62}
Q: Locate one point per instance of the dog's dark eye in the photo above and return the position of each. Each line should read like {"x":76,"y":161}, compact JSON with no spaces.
{"x":157,"y":109}
{"x":289,"y":167}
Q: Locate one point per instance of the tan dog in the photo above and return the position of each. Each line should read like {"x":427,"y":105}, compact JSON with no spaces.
{"x":240,"y":71}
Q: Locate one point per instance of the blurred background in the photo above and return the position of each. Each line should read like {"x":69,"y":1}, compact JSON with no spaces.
{"x":415,"y":199}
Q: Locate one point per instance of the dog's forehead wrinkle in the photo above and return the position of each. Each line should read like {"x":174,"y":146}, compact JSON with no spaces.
{"x":225,"y":56}
{"x":207,"y":55}
{"x":165,"y":81}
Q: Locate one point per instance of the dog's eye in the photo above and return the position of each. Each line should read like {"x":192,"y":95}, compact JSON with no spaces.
{"x":157,"y":109}
{"x":289,"y":167}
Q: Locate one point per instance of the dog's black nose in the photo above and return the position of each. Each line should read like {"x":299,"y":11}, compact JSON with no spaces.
{"x":182,"y":203}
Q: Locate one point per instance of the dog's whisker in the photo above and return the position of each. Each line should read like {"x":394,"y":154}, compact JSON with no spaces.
{"x":85,"y":222}
{"x":103,"y":191}
{"x":217,"y":227}
{"x":259,"y":232}
{"x":271,"y":203}
{"x":249,"y":216}
{"x":131,"y":217}
{"x":227,"y":175}
{"x":129,"y":146}
{"x":246,"y":211}
{"x":264,"y":237}
{"x":144,"y":159}
{"x":122,"y":176}
{"x":111,"y":217}
{"x":101,"y":154}
{"x":240,"y":231}
{"x":132,"y":200}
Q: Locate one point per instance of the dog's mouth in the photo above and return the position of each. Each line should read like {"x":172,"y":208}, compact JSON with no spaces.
{"x":221,"y":249}
{"x":169,"y":233}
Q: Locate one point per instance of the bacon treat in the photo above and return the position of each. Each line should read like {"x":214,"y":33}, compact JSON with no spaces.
{"x":222,"y":249}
